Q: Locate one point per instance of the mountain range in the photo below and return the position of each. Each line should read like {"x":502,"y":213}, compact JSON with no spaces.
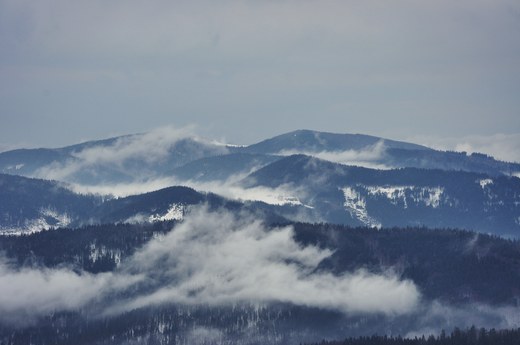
{"x":311,"y":176}
{"x":121,"y":159}
{"x":169,"y":238}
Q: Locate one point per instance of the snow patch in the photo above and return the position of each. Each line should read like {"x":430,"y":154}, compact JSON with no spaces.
{"x":15,"y":167}
{"x":61,"y":219}
{"x":356,"y":202}
{"x":356,"y":206}
{"x":483,"y":183}
{"x":49,"y":219}
{"x":175,"y":212}
{"x":392,"y":193}
{"x":430,"y":196}
{"x":98,"y":253}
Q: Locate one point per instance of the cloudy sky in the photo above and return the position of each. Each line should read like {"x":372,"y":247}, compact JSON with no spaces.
{"x":241,"y":71}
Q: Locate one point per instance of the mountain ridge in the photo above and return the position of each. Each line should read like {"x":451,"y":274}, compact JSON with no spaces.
{"x":255,"y":248}
{"x":319,"y":186}
{"x":324,"y":141}
{"x":120,"y":159}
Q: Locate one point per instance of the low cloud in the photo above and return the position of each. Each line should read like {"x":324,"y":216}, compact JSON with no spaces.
{"x":8,"y":147}
{"x":148,"y":149}
{"x":28,"y":293}
{"x":217,"y":259}
{"x":433,"y":317}
{"x":230,"y":189}
{"x":281,"y":195}
{"x":369,"y":157}
{"x":501,"y":146}
{"x":120,"y":190}
{"x":212,"y":258}
{"x":204,"y":335}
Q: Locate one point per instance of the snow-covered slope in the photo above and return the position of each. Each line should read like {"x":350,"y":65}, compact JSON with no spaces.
{"x":32,"y":205}
{"x":401,"y":197}
{"x":316,"y":187}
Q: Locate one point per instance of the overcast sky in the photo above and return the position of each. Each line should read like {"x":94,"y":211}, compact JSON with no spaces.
{"x":242,"y":71}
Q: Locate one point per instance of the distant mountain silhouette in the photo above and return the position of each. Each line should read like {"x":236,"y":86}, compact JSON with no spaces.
{"x":127,"y":159}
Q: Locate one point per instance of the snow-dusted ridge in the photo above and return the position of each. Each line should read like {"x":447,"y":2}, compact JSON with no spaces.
{"x":174,"y":212}
{"x":356,"y":199}
{"x":429,"y":196}
{"x":49,"y":219}
{"x":356,"y":205}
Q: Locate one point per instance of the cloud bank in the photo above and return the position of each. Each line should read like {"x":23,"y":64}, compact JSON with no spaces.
{"x":230,"y":189}
{"x":501,"y":146}
{"x":212,"y":258}
{"x":28,"y":293}
{"x":216,"y":258}
{"x":435,"y":316}
{"x":368,"y":157}
{"x":136,"y":156}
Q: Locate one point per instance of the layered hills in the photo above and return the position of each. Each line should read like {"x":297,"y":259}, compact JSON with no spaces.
{"x":311,"y":176}
{"x":168,"y":238}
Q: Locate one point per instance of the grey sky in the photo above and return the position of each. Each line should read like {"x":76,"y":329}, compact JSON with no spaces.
{"x":246,"y":70}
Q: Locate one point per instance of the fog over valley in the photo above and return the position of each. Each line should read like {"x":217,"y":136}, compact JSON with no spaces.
{"x":259,"y":172}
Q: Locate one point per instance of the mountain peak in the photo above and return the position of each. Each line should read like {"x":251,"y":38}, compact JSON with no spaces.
{"x":304,"y":141}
